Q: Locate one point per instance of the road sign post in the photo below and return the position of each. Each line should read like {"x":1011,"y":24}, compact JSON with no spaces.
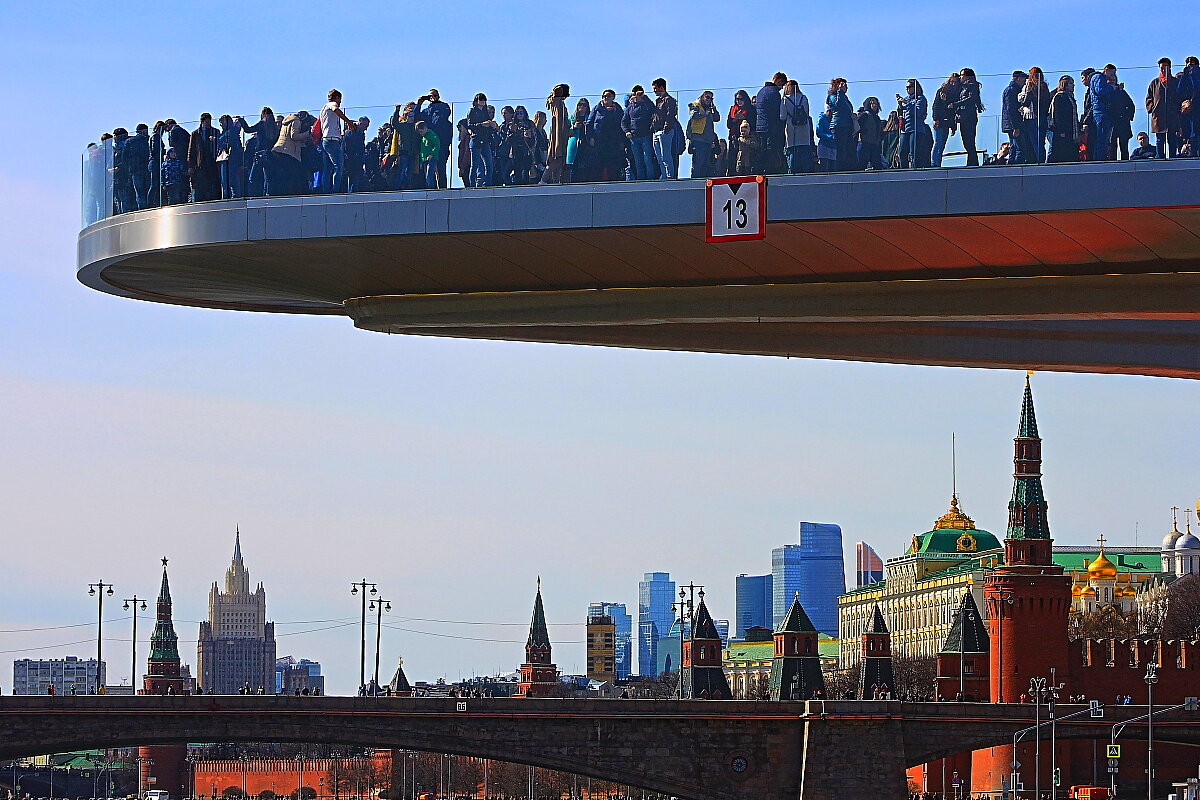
{"x":735,"y":208}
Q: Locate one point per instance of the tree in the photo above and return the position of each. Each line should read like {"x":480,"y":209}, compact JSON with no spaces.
{"x":267,"y":794}
{"x":1103,"y":623}
{"x":758,"y":687}
{"x":232,"y":792}
{"x":916,"y":676}
{"x":840,"y":681}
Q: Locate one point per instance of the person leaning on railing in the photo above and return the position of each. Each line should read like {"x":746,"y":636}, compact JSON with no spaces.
{"x":263,"y":135}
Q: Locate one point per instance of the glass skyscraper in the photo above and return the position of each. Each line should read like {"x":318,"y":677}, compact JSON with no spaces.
{"x":752,"y":603}
{"x":656,"y":596}
{"x":868,"y":564}
{"x":624,"y":622}
{"x":785,"y":581}
{"x":822,"y":574}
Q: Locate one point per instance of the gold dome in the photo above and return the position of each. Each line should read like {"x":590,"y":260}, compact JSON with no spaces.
{"x":1076,"y":590}
{"x":1102,"y":568}
{"x":1088,"y":592}
{"x":954,"y":519}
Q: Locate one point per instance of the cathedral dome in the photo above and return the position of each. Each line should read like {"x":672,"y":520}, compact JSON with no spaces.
{"x":1088,"y":592}
{"x":1102,"y":569}
{"x":1187,"y":541}
{"x":1171,"y":538}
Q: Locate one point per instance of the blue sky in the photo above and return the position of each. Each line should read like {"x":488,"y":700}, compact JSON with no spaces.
{"x":454,"y":472}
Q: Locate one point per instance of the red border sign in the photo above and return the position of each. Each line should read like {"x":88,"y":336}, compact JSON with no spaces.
{"x":761,"y":180}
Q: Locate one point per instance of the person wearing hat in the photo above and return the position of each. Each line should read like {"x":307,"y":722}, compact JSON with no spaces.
{"x":1012,"y":121}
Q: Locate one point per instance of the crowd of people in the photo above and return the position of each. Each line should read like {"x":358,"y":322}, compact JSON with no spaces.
{"x":779,"y":130}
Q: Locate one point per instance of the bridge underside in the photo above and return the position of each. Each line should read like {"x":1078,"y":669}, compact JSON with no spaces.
{"x":932,"y":274}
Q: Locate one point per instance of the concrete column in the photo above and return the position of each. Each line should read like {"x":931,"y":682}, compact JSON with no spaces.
{"x":853,"y":759}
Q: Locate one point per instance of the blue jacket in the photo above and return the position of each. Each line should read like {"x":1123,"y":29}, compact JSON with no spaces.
{"x":766,"y":103}
{"x":1011,"y":120}
{"x":638,"y":117}
{"x":841,"y":112}
{"x":439,"y":117}
{"x":914,"y":109}
{"x":824,"y":132}
{"x":604,"y":124}
{"x":1102,"y":96}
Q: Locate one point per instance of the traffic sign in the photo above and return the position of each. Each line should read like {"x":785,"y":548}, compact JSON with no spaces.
{"x":1191,"y":704}
{"x":735,"y":208}
{"x":1097,"y":710}
{"x":1113,"y":750}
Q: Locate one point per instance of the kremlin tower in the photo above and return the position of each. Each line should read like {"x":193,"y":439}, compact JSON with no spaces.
{"x":796,"y":665}
{"x":539,"y":675}
{"x":162,"y":766}
{"x":1028,"y":598}
{"x":701,"y":675}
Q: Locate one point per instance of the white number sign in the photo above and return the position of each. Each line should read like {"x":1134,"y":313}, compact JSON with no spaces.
{"x":737,"y":208}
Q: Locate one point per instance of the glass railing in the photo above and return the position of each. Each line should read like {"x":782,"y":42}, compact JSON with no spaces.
{"x":507,"y":148}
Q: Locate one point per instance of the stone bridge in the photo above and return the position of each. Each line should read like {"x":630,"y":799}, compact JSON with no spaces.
{"x":688,"y":748}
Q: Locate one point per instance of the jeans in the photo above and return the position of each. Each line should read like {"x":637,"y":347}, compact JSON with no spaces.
{"x":1102,"y":149}
{"x":701,"y":159}
{"x":907,"y":155}
{"x":1018,"y":146}
{"x":941,"y":134}
{"x":870,"y":156}
{"x":231,"y":179}
{"x":502,"y":168}
{"x":333,"y":173}
{"x":1035,"y":134}
{"x":966,"y":129}
{"x":141,"y":188}
{"x":800,"y":159}
{"x":176,"y":194}
{"x":481,"y":163}
{"x":430,"y":170}
{"x":664,"y":153}
{"x":256,"y":178}
{"x":643,"y":158}
{"x":440,"y":160}
{"x":400,"y":172}
{"x":1162,"y":140}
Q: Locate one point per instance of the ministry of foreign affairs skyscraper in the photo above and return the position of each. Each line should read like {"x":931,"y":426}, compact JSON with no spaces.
{"x":236,"y":646}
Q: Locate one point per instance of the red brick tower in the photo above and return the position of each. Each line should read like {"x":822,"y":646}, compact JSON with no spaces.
{"x":1028,"y":599}
{"x":539,"y":675}
{"x":162,"y":766}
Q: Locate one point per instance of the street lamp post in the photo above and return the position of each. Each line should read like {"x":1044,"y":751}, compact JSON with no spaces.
{"x":1151,"y":679}
{"x":379,"y":606}
{"x":362,"y":652}
{"x":133,"y":668}
{"x":97,"y":590}
{"x":299,"y":777}
{"x":1036,"y":687}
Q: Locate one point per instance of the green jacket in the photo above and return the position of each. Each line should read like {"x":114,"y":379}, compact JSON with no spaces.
{"x":430,"y":145}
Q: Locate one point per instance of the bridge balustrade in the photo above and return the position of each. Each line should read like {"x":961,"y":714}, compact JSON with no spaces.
{"x":99,"y":200}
